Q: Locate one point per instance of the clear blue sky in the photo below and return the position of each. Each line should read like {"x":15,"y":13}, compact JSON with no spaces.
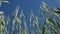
{"x":26,"y":5}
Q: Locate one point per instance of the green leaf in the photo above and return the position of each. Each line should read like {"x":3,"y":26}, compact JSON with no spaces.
{"x":17,"y":20}
{"x":57,"y":12}
{"x":7,"y":20}
{"x":31,"y":16}
{"x":58,"y":33}
{"x":16,"y":12}
{"x":44,"y":27}
{"x":51,"y":21}
{"x":58,"y":8}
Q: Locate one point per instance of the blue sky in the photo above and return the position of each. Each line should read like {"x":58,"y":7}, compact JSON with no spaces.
{"x":26,"y":6}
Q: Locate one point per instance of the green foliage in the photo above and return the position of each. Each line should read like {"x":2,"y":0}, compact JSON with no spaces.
{"x":49,"y":26}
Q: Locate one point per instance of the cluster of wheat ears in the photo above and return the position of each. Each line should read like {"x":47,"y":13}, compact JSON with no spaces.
{"x":51,"y":22}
